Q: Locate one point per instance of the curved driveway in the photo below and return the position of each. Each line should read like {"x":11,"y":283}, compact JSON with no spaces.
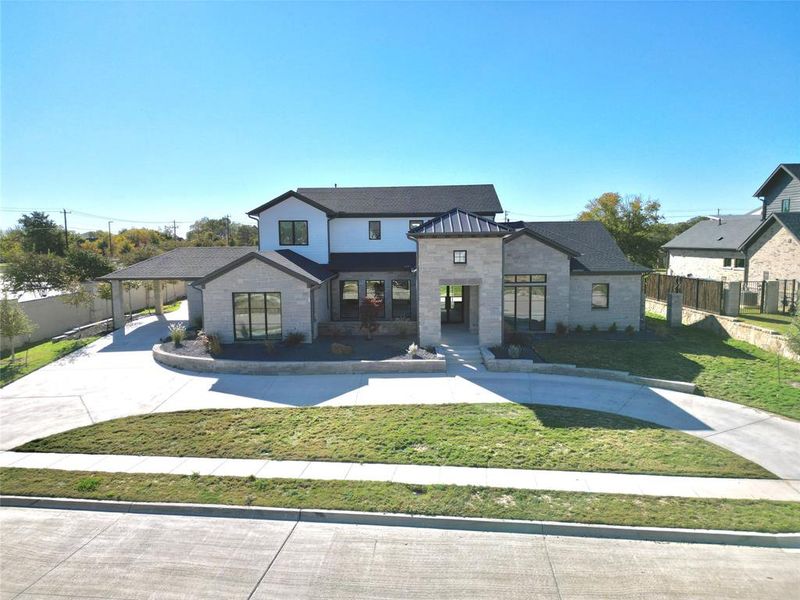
{"x":116,"y":377}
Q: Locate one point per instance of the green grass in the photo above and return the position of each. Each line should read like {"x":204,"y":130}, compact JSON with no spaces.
{"x":168,"y":308}
{"x":450,"y":500}
{"x":475,"y":435}
{"x":38,"y":355}
{"x":721,"y":368}
{"x":779,"y":323}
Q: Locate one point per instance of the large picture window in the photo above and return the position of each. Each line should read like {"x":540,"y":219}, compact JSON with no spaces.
{"x":376,"y":290}
{"x":599,"y":295}
{"x":348,"y":300}
{"x":401,"y":299}
{"x":525,"y":307}
{"x":293,"y":233}
{"x":256,"y":316}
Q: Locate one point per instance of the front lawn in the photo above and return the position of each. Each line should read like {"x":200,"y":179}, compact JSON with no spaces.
{"x":450,"y":500}
{"x":476,"y":435}
{"x":721,"y":368}
{"x":38,"y":355}
{"x":779,"y":323}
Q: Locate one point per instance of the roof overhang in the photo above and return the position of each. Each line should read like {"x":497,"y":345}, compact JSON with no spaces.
{"x":543,"y":239}
{"x":286,"y":196}
{"x":780,"y":168}
{"x":768,"y":222}
{"x":200,"y":283}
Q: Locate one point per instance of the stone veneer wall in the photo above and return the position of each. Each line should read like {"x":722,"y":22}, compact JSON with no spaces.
{"x":704,"y":264}
{"x":525,"y":255}
{"x":484,"y":269}
{"x":776,"y":252}
{"x":763,"y":338}
{"x":624,"y":301}
{"x":256,"y":276}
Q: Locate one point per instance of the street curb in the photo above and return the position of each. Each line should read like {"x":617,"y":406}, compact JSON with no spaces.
{"x":651,"y":534}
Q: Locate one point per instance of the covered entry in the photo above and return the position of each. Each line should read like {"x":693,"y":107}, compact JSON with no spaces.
{"x":451,"y":303}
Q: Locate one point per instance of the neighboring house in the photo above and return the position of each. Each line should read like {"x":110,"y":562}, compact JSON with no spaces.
{"x":432,"y":255}
{"x":758,"y":246}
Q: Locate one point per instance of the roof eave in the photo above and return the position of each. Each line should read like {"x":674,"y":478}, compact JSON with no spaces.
{"x":759,"y":192}
{"x":286,"y":196}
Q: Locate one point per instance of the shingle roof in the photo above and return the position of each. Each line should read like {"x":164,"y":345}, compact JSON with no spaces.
{"x":414,"y":201}
{"x":194,"y":263}
{"x":791,"y":221}
{"x":372,"y":261}
{"x":459,"y":222}
{"x":597,"y":250}
{"x":728,"y":233}
{"x":792,"y":169}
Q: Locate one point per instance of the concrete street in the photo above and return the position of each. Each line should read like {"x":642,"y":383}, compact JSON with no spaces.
{"x":117,"y":376}
{"x":79,"y":554}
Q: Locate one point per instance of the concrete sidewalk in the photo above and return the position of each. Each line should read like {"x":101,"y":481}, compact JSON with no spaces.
{"x":521,"y":479}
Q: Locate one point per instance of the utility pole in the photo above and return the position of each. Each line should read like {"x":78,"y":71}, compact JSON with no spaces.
{"x":227,"y":230}
{"x":66,"y":232}
{"x":110,"y":243}
{"x":174,"y":230}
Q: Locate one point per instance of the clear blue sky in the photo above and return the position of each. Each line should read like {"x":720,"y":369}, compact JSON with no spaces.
{"x":158,"y":111}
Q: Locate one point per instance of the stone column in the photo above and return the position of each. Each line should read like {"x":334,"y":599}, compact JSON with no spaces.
{"x":674,"y":309}
{"x":770,"y":301}
{"x":117,"y":304}
{"x":731,"y":298}
{"x":158,"y":298}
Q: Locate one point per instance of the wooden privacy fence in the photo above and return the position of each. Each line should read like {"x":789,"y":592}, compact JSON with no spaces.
{"x":701,"y":294}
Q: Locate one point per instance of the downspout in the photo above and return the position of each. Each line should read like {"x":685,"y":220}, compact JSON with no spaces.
{"x":258,"y":230}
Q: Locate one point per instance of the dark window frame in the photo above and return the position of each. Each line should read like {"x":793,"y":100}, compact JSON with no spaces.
{"x":250,"y":338}
{"x":608,"y":296}
{"x":383,"y":296}
{"x":396,"y":302}
{"x":529,"y":279}
{"x":786,"y":205}
{"x":342,"y":283}
{"x":412,"y":221}
{"x":294,"y":241}
{"x":459,"y":262}
{"x":541,"y":325}
{"x":369,"y":231}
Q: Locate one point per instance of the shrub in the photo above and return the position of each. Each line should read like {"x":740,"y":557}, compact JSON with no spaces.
{"x":88,"y":484}
{"x":371,"y":309}
{"x":793,"y":335}
{"x":517,"y":338}
{"x":514,"y":351}
{"x":177,"y":333}
{"x":341,"y":349}
{"x":214,"y":346}
{"x":630,"y":330}
{"x":412,"y":349}
{"x":578,"y":328}
{"x":613,"y":327}
{"x":593,"y":329}
{"x":294,"y":338}
{"x":561,"y":329}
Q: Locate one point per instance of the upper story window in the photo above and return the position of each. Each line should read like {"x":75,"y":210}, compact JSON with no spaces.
{"x":415,"y":223}
{"x":459,"y":257}
{"x":374,"y":230}
{"x":600,"y":295}
{"x":293,"y":233}
{"x":786,"y":205}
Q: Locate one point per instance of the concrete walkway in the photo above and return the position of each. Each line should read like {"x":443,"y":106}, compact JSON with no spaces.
{"x":117,"y":377}
{"x":521,"y":479}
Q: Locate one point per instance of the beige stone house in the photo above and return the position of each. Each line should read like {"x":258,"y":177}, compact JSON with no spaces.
{"x":434,"y":257}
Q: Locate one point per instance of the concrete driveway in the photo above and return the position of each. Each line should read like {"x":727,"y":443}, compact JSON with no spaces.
{"x":117,"y":376}
{"x":85,"y":554}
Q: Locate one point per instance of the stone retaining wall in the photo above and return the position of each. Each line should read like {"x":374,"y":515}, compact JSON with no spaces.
{"x":763,"y":338}
{"x":246,"y":367}
{"x":517,"y":365}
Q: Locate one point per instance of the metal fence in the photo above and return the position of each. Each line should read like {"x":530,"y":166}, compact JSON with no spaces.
{"x":752,"y":298}
{"x":701,"y":294}
{"x":788,"y":292}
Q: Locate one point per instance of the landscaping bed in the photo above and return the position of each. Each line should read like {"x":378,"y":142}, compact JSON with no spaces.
{"x":476,"y":435}
{"x":442,"y":500}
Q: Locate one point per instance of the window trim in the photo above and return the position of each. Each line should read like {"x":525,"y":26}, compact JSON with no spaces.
{"x":410,"y":313}
{"x":294,"y":223}
{"x":608,"y":296}
{"x":459,"y":262}
{"x":236,"y":336}
{"x":369,"y":231}
{"x":733,"y":263}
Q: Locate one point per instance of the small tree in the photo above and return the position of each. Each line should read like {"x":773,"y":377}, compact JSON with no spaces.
{"x":131,"y":285}
{"x":370,"y":311}
{"x":76,"y":295}
{"x":793,"y":335}
{"x":13,"y":322}
{"x":104,"y":293}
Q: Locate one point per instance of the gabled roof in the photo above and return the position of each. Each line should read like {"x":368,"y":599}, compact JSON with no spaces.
{"x":287,"y":261}
{"x":724,"y":233}
{"x":791,"y":221}
{"x":458,"y":222}
{"x":286,"y":196}
{"x":793,"y":169}
{"x":372,"y":261}
{"x":597,"y":252}
{"x":544,"y":239}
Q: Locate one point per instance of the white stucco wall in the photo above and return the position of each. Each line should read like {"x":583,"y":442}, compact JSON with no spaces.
{"x":704,"y":264}
{"x":528,"y":256}
{"x":352,"y":235}
{"x":624,"y":301}
{"x":293,"y":209}
{"x":256,"y":276}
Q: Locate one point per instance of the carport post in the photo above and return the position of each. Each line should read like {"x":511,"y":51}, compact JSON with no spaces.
{"x":157,"y":297}
{"x":117,"y":306}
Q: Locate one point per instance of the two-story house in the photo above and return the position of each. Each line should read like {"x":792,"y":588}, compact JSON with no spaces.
{"x":753,"y":247}
{"x":433,"y":257}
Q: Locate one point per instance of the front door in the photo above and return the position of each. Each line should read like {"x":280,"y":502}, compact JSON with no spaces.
{"x":451,"y":303}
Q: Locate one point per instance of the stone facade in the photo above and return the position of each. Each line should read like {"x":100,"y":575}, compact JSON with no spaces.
{"x":705,"y":264}
{"x":624,"y":301}
{"x":256,"y":276}
{"x":777,"y":252}
{"x":525,"y":255}
{"x":484,"y":269}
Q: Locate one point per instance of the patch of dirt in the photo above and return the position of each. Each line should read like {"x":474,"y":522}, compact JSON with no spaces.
{"x":505,"y":500}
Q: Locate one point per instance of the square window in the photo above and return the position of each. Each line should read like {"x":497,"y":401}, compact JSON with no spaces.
{"x":599,"y":295}
{"x":414,"y":223}
{"x":459,"y":257}
{"x":726,"y":262}
{"x":374,"y":230}
{"x":293,"y":233}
